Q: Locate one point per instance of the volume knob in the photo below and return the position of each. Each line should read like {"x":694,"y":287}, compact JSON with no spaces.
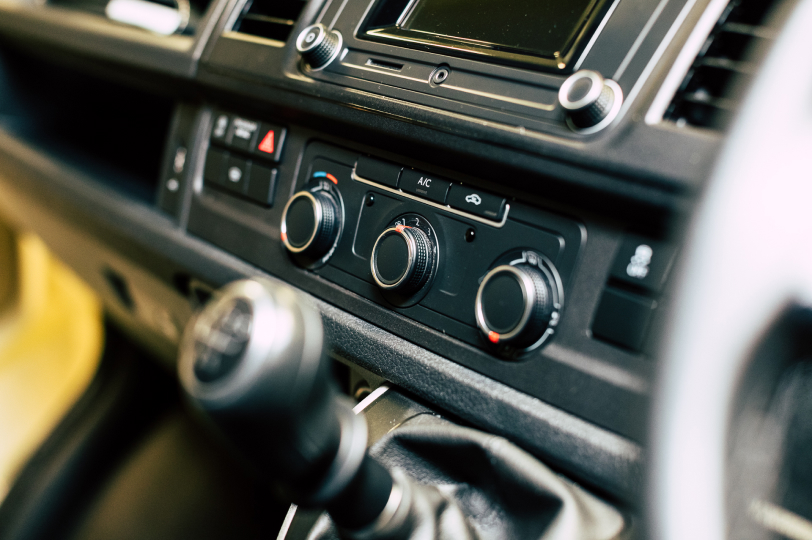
{"x":319,"y":46}
{"x":515,"y":305}
{"x":403,"y":259}
{"x":591,"y":101}
{"x":310,"y":224}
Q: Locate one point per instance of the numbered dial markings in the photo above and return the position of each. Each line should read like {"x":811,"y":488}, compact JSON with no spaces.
{"x":404,"y":258}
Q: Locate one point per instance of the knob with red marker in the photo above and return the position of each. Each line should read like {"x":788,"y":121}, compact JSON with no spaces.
{"x":403,"y":259}
{"x":517,"y":304}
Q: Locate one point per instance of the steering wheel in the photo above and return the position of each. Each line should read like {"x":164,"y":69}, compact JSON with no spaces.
{"x":748,"y":258}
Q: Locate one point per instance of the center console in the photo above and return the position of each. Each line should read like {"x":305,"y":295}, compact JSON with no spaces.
{"x":482,"y":198}
{"x":503,"y":224}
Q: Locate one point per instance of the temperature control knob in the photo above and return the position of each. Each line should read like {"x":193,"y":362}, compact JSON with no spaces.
{"x":591,"y":101}
{"x":403,"y":259}
{"x":318,"y":46}
{"x":516,"y":304}
{"x":310,"y":224}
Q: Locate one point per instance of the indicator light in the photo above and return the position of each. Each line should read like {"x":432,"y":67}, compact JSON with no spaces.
{"x":494,"y":337}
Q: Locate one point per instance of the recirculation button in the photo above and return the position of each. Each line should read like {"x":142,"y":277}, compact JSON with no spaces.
{"x":476,"y":202}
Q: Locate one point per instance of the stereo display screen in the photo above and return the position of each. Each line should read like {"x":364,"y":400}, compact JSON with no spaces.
{"x":545,"y":33}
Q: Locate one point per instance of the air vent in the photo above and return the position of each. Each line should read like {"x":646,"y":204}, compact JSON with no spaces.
{"x":712,"y":89}
{"x":159,"y":16}
{"x":270,"y":19}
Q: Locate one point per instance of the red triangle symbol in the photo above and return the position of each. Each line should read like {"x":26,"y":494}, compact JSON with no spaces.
{"x":267,"y":143}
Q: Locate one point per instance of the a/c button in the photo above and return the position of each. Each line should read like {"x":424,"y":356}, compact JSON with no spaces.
{"x":424,"y":185}
{"x":476,"y":202}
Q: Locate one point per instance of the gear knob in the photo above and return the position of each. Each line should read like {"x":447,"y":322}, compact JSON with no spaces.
{"x":253,"y":360}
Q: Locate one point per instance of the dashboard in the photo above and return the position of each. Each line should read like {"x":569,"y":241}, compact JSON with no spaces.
{"x":484,"y":200}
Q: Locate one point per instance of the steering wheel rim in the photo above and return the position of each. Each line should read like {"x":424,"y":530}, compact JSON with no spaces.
{"x":746,"y":260}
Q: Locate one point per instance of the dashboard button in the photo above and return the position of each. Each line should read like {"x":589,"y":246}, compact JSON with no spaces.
{"x":214,"y":171}
{"x":262,"y":184}
{"x":270,"y":141}
{"x":623,"y":318}
{"x":643,"y":262}
{"x":237,"y":171}
{"x":219,"y":129}
{"x":424,"y":185}
{"x":242,"y":134}
{"x":378,"y":171}
{"x":476,"y":202}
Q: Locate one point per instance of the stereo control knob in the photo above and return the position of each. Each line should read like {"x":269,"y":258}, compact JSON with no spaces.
{"x":403,"y":259}
{"x":319,"y":46}
{"x":310,"y":224}
{"x":515,"y":304}
{"x":591,"y":101}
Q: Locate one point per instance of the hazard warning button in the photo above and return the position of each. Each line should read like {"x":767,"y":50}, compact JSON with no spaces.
{"x":270,"y":141}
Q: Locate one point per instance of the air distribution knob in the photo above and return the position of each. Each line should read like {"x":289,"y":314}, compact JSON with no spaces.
{"x":403,"y":259}
{"x":515,"y":304}
{"x":318,"y":46}
{"x":310,"y":224}
{"x":591,"y":101}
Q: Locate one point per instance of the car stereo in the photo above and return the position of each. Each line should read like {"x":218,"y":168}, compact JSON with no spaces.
{"x":546,"y":34}
{"x":505,"y":62}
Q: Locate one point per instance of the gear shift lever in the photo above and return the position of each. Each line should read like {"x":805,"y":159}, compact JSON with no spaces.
{"x":253,"y":361}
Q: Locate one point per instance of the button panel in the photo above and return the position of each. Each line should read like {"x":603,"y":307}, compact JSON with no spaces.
{"x":636,"y":280}
{"x":437,"y":190}
{"x":239,"y":160}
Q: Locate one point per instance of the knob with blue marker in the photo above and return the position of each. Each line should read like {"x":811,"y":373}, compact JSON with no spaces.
{"x":311,"y":220}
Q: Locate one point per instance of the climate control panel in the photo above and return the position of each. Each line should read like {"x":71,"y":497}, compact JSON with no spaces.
{"x":465,"y":262}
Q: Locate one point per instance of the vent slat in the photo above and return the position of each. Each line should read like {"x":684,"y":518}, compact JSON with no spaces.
{"x":196,"y":10}
{"x":750,"y":30}
{"x":273,"y":20}
{"x":270,"y":19}
{"x":710,"y":92}
{"x":706,"y":99}
{"x":747,"y":68}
